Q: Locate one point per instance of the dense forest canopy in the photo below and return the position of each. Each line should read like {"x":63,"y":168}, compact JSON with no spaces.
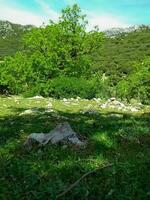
{"x":64,"y":60}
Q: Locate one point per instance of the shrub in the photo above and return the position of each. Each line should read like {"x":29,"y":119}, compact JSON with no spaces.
{"x":137,"y":84}
{"x":16,"y":73}
{"x":68,"y":87}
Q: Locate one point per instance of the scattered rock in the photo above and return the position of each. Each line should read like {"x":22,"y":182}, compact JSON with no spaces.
{"x":91,"y":112}
{"x":112,"y":103}
{"x":97,"y":99}
{"x":47,"y":110}
{"x":37,"y":97}
{"x":49,"y":105}
{"x":62,"y":133}
{"x":57,"y":116}
{"x":115,"y":115}
{"x":30,"y":111}
{"x":132,"y":109}
{"x":112,"y":99}
{"x":65,"y":100}
{"x":72,"y":99}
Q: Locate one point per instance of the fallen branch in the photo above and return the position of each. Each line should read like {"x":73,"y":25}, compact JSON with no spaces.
{"x":82,"y":177}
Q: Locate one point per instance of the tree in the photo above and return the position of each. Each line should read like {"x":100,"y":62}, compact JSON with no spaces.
{"x":137,"y":84}
{"x":55,"y":50}
{"x":65,"y":46}
{"x":16,"y":73}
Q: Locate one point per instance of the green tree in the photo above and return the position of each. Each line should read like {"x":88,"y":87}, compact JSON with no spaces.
{"x":66,"y":46}
{"x":137,"y":84}
{"x":16,"y":73}
{"x":55,"y":50}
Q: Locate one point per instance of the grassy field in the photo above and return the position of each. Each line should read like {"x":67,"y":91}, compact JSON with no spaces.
{"x":120,"y":139}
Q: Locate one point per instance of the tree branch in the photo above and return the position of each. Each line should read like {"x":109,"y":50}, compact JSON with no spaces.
{"x":81,"y":178}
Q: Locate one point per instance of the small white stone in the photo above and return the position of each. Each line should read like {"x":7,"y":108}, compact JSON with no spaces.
{"x":37,"y":97}
{"x":30,"y":111}
{"x":65,"y":100}
{"x":49,"y":105}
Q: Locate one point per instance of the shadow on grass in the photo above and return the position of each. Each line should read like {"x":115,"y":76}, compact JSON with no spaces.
{"x":46,"y":171}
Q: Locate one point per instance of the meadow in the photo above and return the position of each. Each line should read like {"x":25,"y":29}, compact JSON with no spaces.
{"x":115,"y":138}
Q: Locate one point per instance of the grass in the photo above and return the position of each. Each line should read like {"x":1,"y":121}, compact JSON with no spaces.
{"x":44,"y":172}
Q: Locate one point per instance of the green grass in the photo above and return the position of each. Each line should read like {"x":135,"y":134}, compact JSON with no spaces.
{"x":46,"y":171}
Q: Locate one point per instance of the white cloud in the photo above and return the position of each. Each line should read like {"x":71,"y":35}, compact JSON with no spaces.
{"x":53,"y":15}
{"x":105,"y":21}
{"x":20,"y":16}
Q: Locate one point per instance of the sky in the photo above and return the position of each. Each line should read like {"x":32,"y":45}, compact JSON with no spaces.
{"x":104,"y":13}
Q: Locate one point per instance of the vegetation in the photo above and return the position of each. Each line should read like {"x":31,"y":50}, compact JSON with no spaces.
{"x":62,"y":60}
{"x":57,"y":50}
{"x":120,"y":139}
{"x":11,"y":38}
{"x":119,"y":53}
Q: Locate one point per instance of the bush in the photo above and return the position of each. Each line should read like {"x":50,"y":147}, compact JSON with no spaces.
{"x":137,"y":84}
{"x":68,"y":87}
{"x":16,"y":74}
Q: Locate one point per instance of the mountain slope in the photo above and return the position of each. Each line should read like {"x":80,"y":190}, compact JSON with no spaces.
{"x":11,"y":37}
{"x":119,"y":53}
{"x":121,"y":48}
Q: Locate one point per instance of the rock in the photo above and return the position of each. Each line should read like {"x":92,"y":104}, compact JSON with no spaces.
{"x":140,"y":105}
{"x":36,"y":97}
{"x":30,"y":111}
{"x":76,"y":100}
{"x":91,"y":112}
{"x":113,"y":104}
{"x":49,"y":105}
{"x":132,"y":109}
{"x":97,"y":99}
{"x":47,"y":110}
{"x":115,"y":115}
{"x":111,"y":99}
{"x":104,"y":105}
{"x":62,"y":133}
{"x":72,"y":99}
{"x":65,"y":100}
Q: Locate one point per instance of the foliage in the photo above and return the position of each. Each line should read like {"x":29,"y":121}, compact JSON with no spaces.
{"x":16,"y":73}
{"x":62,"y":60}
{"x":44,"y":172}
{"x":69,"y":87}
{"x":137,"y":84}
{"x":11,"y":38}
{"x":65,"y":46}
{"x":119,"y":53}
{"x":56,"y":50}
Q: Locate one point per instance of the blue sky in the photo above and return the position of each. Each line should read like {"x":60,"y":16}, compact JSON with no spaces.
{"x":104,"y":13}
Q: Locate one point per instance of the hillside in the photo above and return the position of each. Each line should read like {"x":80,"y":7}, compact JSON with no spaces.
{"x":118,"y":58}
{"x":113,"y":32}
{"x":11,"y":37}
{"x":121,"y":48}
{"x":119,"y":53}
